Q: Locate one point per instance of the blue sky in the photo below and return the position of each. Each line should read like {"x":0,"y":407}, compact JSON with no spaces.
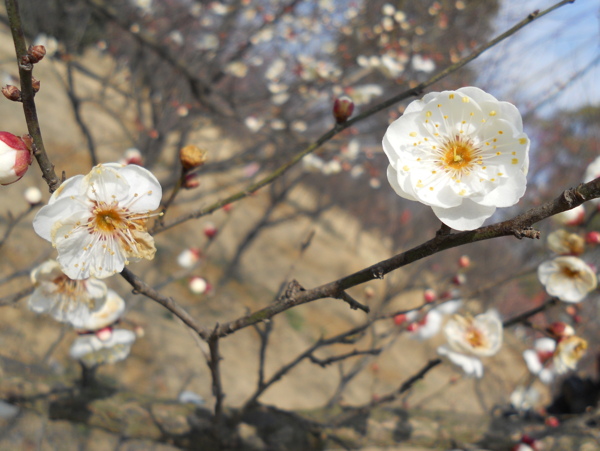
{"x":532,"y":67}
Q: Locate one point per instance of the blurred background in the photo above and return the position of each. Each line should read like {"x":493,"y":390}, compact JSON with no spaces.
{"x":253,"y":82}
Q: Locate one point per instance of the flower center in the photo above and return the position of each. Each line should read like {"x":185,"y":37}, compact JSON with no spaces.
{"x":457,"y":154}
{"x":571,"y":273}
{"x":475,"y":337}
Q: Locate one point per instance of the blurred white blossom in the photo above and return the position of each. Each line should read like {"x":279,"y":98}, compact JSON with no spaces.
{"x":569,"y":278}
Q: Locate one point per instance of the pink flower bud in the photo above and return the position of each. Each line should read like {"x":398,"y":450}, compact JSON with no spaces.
{"x":464,"y":261}
{"x":400,"y":319}
{"x":552,"y":422}
{"x":592,"y":237}
{"x":412,"y":327}
{"x":369,"y":291}
{"x":429,"y":295}
{"x":227,"y":207}
{"x":132,"y":156}
{"x":560,"y":329}
{"x":210,"y":230}
{"x":459,"y":279}
{"x":105,"y":333}
{"x":342,"y":109}
{"x":191,"y":181}
{"x":15,"y":158}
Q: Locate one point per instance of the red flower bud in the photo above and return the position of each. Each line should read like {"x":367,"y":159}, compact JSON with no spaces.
{"x":592,"y":237}
{"x":15,"y":158}
{"x":210,"y":230}
{"x":12,"y":93}
{"x":342,"y":109}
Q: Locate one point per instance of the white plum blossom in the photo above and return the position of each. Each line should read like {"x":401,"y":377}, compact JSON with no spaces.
{"x":573,"y":217}
{"x":566,"y":243}
{"x":97,"y":222}
{"x":470,"y":338}
{"x":33,"y":195}
{"x":591,"y":173}
{"x":189,"y":257}
{"x":66,"y":300}
{"x":463,"y":153}
{"x":93,"y":351}
{"x":568,"y":278}
{"x":430,"y":324}
{"x":569,"y":351}
{"x":539,"y":359}
{"x":110,"y":312}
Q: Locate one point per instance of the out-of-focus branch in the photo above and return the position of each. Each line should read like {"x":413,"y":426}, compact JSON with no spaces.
{"x":25,"y":69}
{"x":12,"y":222}
{"x":417,"y":90}
{"x":201,"y":89}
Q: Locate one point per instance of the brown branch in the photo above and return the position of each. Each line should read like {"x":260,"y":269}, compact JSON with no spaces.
{"x":518,"y":226}
{"x":406,"y":385}
{"x":416,"y":91}
{"x":217,"y":387}
{"x":13,"y":298}
{"x":13,"y":221}
{"x":324,"y":362}
{"x":27,"y":94}
{"x":140,"y":287}
{"x":529,"y":313}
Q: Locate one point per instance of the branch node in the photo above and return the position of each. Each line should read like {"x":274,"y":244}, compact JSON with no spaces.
{"x":534,"y":14}
{"x":377,"y":273}
{"x":527,"y":232}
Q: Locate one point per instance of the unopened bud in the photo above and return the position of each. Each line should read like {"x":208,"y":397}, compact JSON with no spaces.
{"x":191,"y":181}
{"x":192,"y":157}
{"x":36,"y":53}
{"x":227,"y":207}
{"x":132,"y":156}
{"x":552,"y":422}
{"x":400,"y":319}
{"x":15,"y":158}
{"x":189,"y":257}
{"x":459,"y":279}
{"x":342,"y":109}
{"x":464,"y":261}
{"x":199,"y":285}
{"x":592,"y":237}
{"x":12,"y":93}
{"x":33,"y":196}
{"x":429,"y":295}
{"x":104,"y":334}
{"x":210,"y":230}
{"x":560,"y":329}
{"x":369,"y":292}
{"x":35,"y":84}
{"x":28,"y":140}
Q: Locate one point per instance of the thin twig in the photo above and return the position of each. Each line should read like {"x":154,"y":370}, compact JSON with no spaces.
{"x":27,"y":94}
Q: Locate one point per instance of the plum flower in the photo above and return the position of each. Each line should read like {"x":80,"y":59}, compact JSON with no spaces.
{"x":538,"y":359}
{"x":463,"y":153}
{"x":470,"y":338}
{"x":569,"y":278}
{"x":64,"y":299}
{"x":569,"y":351}
{"x":97,"y":222}
{"x":591,"y":173}
{"x":92,"y":351}
{"x":566,"y":243}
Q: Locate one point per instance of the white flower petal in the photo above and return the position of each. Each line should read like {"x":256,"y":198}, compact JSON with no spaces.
{"x":468,"y":217}
{"x":472,"y":366}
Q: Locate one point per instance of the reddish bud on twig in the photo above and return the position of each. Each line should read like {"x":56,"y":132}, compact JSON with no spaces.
{"x":342,"y":109}
{"x":12,"y":93}
{"x":593,"y":237}
{"x":28,"y":140}
{"x":191,"y":181}
{"x":36,"y":53}
{"x":429,"y":295}
{"x":560,"y":329}
{"x":35,"y":84}
{"x":400,"y":319}
{"x":210,"y":230}
{"x":464,"y":261}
